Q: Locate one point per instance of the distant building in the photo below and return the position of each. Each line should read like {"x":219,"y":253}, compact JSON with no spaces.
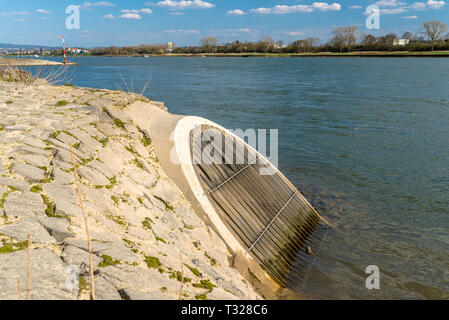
{"x":170,"y":47}
{"x":277,"y":46}
{"x":77,"y":51}
{"x":401,"y":42}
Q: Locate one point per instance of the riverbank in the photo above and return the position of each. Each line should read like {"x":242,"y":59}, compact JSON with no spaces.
{"x":21,"y":62}
{"x":377,"y":54}
{"x":318,"y":54}
{"x":146,"y":238}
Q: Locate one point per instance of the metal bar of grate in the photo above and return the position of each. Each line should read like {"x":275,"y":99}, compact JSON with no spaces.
{"x":233,"y":176}
{"x":272,"y":221}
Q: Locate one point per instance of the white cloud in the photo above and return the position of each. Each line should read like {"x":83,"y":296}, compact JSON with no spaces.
{"x":241,"y":30}
{"x":145,"y":11}
{"x":236,"y":12}
{"x":394,"y":11}
{"x":410,"y":17}
{"x":390,"y":3}
{"x":20,"y":20}
{"x":293,"y":33}
{"x":183,"y":4}
{"x":392,"y":6}
{"x":435,"y":4}
{"x":109,"y":16}
{"x":284,"y":9}
{"x":419,"y":6}
{"x":43,"y":11}
{"x":182,"y":31}
{"x":356,"y":7}
{"x":177,"y":13}
{"x":430,"y":4}
{"x":16,"y":13}
{"x":134,"y":16}
{"x":323,"y":6}
{"x":89,"y":5}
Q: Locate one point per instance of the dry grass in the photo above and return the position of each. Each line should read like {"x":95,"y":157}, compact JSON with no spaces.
{"x":55,"y":75}
{"x":29,"y":268}
{"x":13,"y":74}
{"x":19,"y":288}
{"x":89,"y":244}
{"x":45,"y":74}
{"x":182,"y":278}
{"x":129,"y":86}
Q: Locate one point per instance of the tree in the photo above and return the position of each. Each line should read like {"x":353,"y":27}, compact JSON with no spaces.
{"x":344,"y":37}
{"x":407,"y":35}
{"x":389,"y":40}
{"x":280,"y":44}
{"x":265,"y":44}
{"x":368,"y":40}
{"x":208,"y":43}
{"x":434,"y":31}
{"x":268,"y":40}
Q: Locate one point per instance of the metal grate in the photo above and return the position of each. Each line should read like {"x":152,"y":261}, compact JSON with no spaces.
{"x":267,"y":215}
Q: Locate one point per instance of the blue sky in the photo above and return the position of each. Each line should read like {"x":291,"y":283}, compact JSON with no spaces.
{"x":131,"y":22}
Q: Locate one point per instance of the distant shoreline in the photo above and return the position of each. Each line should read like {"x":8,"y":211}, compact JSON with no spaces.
{"x":357,"y":54}
{"x":21,"y":62}
{"x":319,"y":54}
{"x":367,"y":54}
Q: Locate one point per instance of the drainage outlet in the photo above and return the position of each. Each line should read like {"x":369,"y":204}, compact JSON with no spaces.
{"x":262,"y":215}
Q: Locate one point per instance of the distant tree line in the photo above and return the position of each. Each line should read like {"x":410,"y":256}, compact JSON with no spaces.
{"x":432,"y":36}
{"x":129,"y":51}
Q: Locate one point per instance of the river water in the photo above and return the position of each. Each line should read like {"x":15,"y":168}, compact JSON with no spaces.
{"x":365,"y":139}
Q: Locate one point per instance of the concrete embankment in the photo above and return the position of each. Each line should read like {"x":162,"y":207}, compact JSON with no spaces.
{"x":145,"y":236}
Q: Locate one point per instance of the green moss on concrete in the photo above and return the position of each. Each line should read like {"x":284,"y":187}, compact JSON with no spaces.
{"x":147,"y":224}
{"x":119,"y":123}
{"x":213,"y":262}
{"x":50,"y":209}
{"x":201,"y":297}
{"x":103,"y":141}
{"x":36,"y":189}
{"x":161,"y":240}
{"x":168,"y":207}
{"x":153,"y":262}
{"x":108,"y":261}
{"x":5,"y":195}
{"x":205,"y":284}
{"x":139,"y":164}
{"x":119,"y":220}
{"x":116,"y":200}
{"x":61,"y":103}
{"x":194,"y":271}
{"x":9,"y":247}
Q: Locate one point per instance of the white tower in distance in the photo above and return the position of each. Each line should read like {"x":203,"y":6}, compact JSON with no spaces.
{"x":170,"y":47}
